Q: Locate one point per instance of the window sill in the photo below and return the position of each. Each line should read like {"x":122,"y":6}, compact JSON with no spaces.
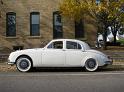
{"x":82,"y":39}
{"x":11,"y":37}
{"x":34,"y":37}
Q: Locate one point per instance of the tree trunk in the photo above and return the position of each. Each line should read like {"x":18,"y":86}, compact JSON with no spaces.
{"x":105,"y":40}
{"x":114,"y":39}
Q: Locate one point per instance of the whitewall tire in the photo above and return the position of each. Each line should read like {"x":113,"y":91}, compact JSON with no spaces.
{"x":91,"y":65}
{"x":24,"y":64}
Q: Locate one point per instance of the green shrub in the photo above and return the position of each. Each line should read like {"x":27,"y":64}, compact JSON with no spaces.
{"x":121,"y":41}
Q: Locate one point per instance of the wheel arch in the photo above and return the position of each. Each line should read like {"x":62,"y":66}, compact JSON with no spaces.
{"x":86,"y":58}
{"x":26,"y":57}
{"x":89,"y":67}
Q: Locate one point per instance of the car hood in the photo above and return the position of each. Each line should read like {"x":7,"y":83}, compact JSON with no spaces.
{"x":28,"y":50}
{"x":96,"y":51}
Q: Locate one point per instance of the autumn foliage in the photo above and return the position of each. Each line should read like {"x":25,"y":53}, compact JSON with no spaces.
{"x":107,"y":13}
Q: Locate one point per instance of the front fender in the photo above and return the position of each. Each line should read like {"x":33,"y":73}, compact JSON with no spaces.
{"x":13,"y":57}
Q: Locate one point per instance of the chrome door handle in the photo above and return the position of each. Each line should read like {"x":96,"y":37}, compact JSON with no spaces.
{"x":63,"y":50}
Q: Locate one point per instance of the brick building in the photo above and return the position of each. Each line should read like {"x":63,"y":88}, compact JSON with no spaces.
{"x":32,"y":23}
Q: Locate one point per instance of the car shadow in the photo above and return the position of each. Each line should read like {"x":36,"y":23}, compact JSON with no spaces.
{"x":77,"y":69}
{"x":54,"y":69}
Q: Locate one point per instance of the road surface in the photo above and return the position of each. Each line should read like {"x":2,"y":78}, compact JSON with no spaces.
{"x":112,"y":81}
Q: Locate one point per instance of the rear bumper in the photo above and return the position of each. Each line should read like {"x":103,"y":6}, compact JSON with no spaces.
{"x":110,"y":62}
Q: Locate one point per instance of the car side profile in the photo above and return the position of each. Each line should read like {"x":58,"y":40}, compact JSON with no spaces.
{"x":59,"y":53}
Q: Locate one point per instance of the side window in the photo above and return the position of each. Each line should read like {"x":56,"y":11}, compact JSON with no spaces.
{"x":56,"y":45}
{"x":72,"y":45}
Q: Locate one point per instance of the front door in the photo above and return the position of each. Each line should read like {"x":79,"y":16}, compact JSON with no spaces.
{"x":54,"y":55}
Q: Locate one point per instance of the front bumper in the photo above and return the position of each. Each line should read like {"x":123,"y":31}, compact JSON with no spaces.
{"x":10,"y":63}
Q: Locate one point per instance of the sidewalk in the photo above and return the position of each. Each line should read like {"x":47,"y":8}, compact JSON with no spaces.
{"x":4,"y":67}
{"x":118,"y":63}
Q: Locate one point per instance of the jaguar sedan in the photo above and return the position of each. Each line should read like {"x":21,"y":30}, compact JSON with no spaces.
{"x":59,"y":53}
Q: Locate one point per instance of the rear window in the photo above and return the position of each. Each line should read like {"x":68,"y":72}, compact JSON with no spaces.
{"x":72,"y":45}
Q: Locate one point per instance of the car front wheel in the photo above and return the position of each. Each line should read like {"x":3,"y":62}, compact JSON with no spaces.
{"x":91,"y":65}
{"x":23,"y":64}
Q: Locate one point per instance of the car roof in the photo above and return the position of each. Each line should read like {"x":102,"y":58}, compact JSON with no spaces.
{"x":85,"y":45}
{"x":81,"y":42}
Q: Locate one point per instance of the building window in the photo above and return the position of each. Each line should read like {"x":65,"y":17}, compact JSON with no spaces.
{"x":97,"y":2}
{"x":79,"y":29}
{"x":57,"y":25}
{"x":122,"y":9}
{"x":11,"y":24}
{"x":35,"y":24}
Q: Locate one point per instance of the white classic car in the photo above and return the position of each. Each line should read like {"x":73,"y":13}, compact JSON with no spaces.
{"x":59,"y":53}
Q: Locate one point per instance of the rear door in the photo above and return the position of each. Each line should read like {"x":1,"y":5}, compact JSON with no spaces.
{"x":74,"y":54}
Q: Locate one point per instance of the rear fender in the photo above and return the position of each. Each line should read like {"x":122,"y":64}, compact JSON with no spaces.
{"x":86,"y":58}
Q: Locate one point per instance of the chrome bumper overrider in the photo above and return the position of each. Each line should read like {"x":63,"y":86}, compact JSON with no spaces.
{"x":10,"y":63}
{"x":110,"y":62}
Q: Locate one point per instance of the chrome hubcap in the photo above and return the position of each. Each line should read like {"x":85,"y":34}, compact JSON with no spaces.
{"x":91,"y":64}
{"x":24,"y":64}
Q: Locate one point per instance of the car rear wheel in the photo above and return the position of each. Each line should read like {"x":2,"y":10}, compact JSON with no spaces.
{"x":91,"y":65}
{"x":23,"y":64}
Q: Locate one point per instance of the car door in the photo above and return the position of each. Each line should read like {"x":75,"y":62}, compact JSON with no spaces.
{"x":54,"y":54}
{"x":74,"y":54}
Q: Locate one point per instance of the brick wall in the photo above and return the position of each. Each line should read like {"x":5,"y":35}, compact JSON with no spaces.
{"x":22,"y":8}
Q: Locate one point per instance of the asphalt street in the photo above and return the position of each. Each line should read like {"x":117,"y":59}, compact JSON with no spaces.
{"x":112,"y":81}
